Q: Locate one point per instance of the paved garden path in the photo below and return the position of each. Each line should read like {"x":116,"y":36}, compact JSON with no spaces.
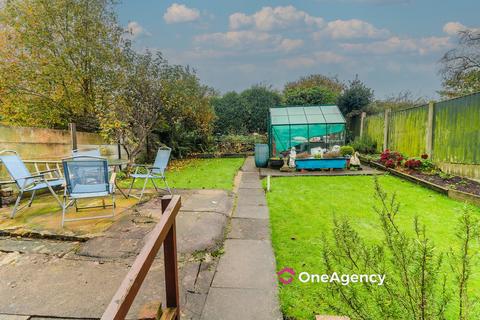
{"x":244,"y":285}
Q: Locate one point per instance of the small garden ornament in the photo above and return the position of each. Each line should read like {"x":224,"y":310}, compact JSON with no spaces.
{"x":354,"y":160}
{"x":293,"y":156}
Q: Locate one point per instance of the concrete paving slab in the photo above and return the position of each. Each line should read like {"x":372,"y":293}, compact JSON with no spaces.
{"x":251,"y":211}
{"x":207,"y":200}
{"x":249,"y":165}
{"x":250,"y":185}
{"x":110,"y":248}
{"x":252,"y":200}
{"x":250,"y":176}
{"x":250,"y":229}
{"x":241,"y":304}
{"x":197,"y":231}
{"x":246,"y":264}
{"x":242,"y":193}
{"x":53,"y":287}
{"x":24,"y":245}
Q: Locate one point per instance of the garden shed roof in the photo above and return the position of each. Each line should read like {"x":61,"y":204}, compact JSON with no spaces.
{"x":306,"y":115}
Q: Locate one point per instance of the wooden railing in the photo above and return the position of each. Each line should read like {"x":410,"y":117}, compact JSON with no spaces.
{"x":163,"y":233}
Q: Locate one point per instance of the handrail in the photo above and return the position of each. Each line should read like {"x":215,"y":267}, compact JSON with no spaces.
{"x":163,"y":233}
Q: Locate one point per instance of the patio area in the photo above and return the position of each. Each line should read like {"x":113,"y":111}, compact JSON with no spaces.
{"x":45,"y":278}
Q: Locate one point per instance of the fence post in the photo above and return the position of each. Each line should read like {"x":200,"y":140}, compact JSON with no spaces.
{"x":362,"y":122}
{"x":72,"y":127}
{"x":170,"y":261}
{"x":385,"y":129}
{"x":429,"y":131}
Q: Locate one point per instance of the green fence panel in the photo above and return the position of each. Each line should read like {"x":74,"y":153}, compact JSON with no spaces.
{"x":457,"y":130}
{"x":407,"y":131}
{"x":373,"y":128}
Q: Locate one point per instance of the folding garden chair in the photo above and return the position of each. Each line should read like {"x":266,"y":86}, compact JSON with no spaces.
{"x":86,"y":177}
{"x":157,"y":171}
{"x":25,"y":181}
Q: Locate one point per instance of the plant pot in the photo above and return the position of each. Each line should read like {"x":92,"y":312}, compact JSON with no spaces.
{"x":275,"y":163}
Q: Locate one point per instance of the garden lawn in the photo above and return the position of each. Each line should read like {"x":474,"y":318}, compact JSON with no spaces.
{"x":217,"y":173}
{"x":302,"y":209}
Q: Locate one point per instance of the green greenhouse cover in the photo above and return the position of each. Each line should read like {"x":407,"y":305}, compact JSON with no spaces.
{"x":306,"y":115}
{"x":291,"y":126}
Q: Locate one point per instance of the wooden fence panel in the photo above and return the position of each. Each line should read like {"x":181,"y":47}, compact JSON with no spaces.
{"x":407,"y":131}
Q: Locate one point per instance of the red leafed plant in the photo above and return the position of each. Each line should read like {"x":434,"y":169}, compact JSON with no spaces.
{"x":391,"y":159}
{"x":413,"y":164}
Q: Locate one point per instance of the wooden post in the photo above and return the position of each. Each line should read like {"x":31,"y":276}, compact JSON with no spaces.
{"x":171,"y":269}
{"x":429,"y":131}
{"x":385,"y":129}
{"x":72,"y":127}
{"x":362,"y":122}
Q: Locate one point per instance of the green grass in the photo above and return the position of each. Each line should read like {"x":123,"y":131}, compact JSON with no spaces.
{"x":215,"y":173}
{"x":302,"y":209}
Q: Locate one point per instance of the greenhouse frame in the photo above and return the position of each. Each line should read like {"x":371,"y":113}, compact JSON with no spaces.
{"x":305,"y":128}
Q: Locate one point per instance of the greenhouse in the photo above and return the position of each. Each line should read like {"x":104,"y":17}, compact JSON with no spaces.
{"x":307,"y":128}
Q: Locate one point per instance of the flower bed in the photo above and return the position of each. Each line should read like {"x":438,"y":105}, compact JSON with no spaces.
{"x":423,"y":170}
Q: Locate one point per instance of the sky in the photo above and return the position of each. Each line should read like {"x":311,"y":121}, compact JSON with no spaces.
{"x":393,"y":45}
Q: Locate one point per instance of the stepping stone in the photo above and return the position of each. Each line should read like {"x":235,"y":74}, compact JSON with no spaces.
{"x":251,"y":211}
{"x":241,"y":304}
{"x":246,"y":264}
{"x":250,"y":229}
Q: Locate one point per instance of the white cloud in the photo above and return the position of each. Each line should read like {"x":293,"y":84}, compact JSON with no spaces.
{"x":396,"y":44}
{"x":349,"y":29}
{"x":238,"y":38}
{"x":290,"y":44}
{"x":453,"y":28}
{"x":270,"y":18}
{"x":317,"y":58}
{"x":180,"y":13}
{"x":135,"y":29}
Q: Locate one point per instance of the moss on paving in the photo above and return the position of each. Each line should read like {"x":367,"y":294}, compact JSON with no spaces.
{"x":217,"y":173}
{"x":302,"y":209}
{"x":45,"y":217}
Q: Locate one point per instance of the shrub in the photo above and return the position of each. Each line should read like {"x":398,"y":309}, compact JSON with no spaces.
{"x":238,"y":143}
{"x":413,"y":164}
{"x":391,"y":159}
{"x":365,"y":145}
{"x":346,"y":151}
{"x":416,"y":285}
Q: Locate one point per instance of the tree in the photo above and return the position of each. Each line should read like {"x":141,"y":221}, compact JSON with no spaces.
{"x":309,"y":96}
{"x":188,"y":116}
{"x":138,"y":106}
{"x":317,"y":80}
{"x":313,"y":89}
{"x":232,"y":114}
{"x":461,"y":66}
{"x":58,"y":61}
{"x":258,"y":100}
{"x":355,"y":98}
